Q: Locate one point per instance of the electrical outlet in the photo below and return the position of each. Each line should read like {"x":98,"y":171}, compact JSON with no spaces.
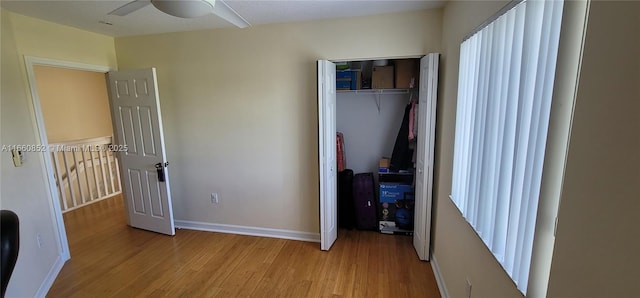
{"x":214,"y":198}
{"x":39,"y":240}
{"x":18,"y":157}
{"x":468,"y":288}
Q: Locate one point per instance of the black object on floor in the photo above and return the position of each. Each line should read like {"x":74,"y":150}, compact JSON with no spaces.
{"x":365,"y":201}
{"x":346,"y":213}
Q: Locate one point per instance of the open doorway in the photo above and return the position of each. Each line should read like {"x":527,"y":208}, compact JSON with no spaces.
{"x":43,"y":67}
{"x":134,"y":109}
{"x":75,"y":108}
{"x":30,"y":64}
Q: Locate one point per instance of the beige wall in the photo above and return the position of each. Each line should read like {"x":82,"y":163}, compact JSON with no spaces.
{"x":597,"y":242}
{"x":459,"y":252}
{"x":598,"y":236}
{"x":74,"y":103}
{"x":240,"y":109}
{"x":25,"y":189}
{"x":48,"y":40}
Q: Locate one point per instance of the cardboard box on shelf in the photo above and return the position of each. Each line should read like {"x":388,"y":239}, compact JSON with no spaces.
{"x":405,"y":70}
{"x":382,"y":77}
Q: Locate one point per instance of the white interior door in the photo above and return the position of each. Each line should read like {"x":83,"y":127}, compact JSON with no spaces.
{"x":135,"y":109}
{"x":424,"y":157}
{"x":327,"y":153}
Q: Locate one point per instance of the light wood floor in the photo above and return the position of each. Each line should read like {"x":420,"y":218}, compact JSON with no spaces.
{"x":108,"y":258}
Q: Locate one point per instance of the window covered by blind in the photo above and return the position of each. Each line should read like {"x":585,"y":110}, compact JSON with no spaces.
{"x":504,"y":98}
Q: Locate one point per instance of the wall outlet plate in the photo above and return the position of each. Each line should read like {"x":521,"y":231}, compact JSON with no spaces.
{"x":18,"y":158}
{"x":468,"y":288}
{"x":214,"y":198}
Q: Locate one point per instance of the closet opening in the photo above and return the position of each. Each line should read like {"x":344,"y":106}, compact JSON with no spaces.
{"x":377,"y":125}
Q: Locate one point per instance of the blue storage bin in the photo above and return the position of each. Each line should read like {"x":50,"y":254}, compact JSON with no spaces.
{"x":343,"y":84}
{"x":343,"y":74}
{"x":356,"y":78}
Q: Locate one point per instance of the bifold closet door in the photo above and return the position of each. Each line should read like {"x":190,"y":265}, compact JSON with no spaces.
{"x":327,"y":153}
{"x":424,"y":157}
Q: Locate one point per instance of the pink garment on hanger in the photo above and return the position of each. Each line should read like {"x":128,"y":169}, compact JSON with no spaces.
{"x":342,"y":159}
{"x":416,"y":114}
{"x":411,"y":120}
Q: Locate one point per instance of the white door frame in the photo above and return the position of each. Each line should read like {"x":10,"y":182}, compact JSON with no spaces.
{"x":38,"y":119}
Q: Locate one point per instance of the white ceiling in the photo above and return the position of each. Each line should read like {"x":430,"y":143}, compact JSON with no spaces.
{"x":91,"y":15}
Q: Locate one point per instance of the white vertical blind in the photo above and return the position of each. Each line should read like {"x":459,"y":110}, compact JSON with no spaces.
{"x":506,"y":79}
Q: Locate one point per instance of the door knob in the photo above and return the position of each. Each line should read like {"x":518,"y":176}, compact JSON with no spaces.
{"x":160,"y":169}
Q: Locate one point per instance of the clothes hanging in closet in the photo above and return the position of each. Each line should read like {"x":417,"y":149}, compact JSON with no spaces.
{"x":412,"y":121}
{"x":340,"y":152}
{"x":402,"y":153}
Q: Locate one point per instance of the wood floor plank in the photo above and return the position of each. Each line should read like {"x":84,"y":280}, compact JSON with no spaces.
{"x":111,"y":259}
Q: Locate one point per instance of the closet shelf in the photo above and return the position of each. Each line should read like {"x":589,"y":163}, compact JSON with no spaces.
{"x":376,"y":91}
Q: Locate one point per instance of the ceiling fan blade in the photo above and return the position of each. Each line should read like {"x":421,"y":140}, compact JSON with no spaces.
{"x":130,"y":7}
{"x":224,"y":11}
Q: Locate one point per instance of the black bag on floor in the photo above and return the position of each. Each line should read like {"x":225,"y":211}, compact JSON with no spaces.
{"x":346,"y":214}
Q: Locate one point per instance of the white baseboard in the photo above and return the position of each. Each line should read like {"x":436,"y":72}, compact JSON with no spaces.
{"x":51,"y":277}
{"x":251,"y":231}
{"x":439,"y":279}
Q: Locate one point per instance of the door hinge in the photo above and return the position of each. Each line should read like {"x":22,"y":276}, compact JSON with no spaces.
{"x":555,"y":227}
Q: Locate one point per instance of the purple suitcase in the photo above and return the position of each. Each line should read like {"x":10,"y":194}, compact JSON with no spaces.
{"x":365,"y":202}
